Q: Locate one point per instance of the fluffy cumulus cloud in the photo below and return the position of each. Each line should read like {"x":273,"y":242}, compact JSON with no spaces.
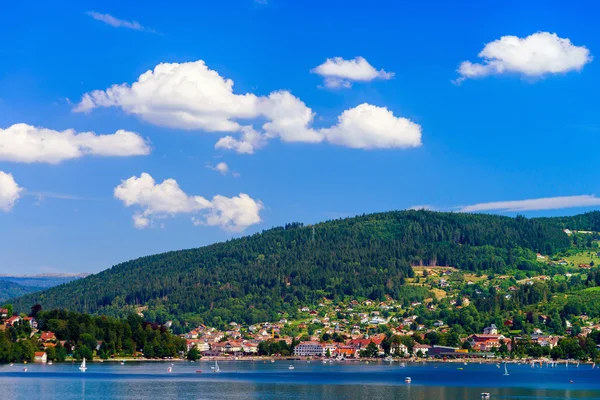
{"x":160,"y":200}
{"x":10,"y":191}
{"x":370,"y":127}
{"x":340,"y":73}
{"x":547,"y":203}
{"x":29,"y":144}
{"x":192,"y":96}
{"x":537,"y":55}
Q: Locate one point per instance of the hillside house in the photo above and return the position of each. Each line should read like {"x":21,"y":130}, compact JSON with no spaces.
{"x":48,"y":336}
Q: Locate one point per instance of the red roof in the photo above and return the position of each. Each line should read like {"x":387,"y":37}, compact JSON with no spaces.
{"x":48,"y":336}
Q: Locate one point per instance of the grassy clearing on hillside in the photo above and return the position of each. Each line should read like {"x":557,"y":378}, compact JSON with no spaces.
{"x":583,"y":258}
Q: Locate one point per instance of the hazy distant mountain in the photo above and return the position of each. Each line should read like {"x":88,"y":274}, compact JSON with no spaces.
{"x":14,"y":286}
{"x":9,"y":289}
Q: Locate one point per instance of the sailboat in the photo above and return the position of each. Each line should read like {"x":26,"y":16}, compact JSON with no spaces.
{"x":82,"y":367}
{"x":216,"y":368}
{"x":505,"y":370}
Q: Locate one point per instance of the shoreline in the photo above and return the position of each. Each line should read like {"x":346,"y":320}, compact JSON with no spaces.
{"x":463,"y":361}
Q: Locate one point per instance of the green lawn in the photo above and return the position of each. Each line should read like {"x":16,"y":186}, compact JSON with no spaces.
{"x":583,"y":258}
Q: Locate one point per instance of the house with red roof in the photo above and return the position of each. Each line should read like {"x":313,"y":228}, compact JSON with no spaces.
{"x":40,"y":357}
{"x":47,"y":336}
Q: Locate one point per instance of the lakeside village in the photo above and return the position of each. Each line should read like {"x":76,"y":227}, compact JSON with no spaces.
{"x":460,"y":320}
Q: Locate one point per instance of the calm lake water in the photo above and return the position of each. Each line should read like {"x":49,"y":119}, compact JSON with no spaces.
{"x":258,"y":380}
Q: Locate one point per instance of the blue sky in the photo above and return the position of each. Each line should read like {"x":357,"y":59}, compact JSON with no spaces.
{"x":521,"y":125}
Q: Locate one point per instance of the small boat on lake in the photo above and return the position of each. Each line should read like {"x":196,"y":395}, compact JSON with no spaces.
{"x":505,"y":370}
{"x":291,"y":367}
{"x":485,"y":395}
{"x":170,"y":369}
{"x":82,"y":367}
{"x":408,"y":379}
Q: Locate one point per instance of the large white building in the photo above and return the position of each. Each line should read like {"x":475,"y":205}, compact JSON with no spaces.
{"x":308,"y":349}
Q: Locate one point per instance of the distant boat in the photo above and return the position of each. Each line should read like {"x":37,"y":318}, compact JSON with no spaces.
{"x":274,"y":361}
{"x":402,"y":365}
{"x":198,"y":371}
{"x":505,"y":370}
{"x":389,"y":358}
{"x":170,"y":369}
{"x":577,"y":364}
{"x":465,"y":363}
{"x":50,"y":362}
{"x":82,"y":367}
{"x":216,"y":368}
{"x":408,"y":379}
{"x":11,"y":364}
{"x":291,"y":367}
{"x":122,"y":362}
{"x":25,"y":369}
{"x":485,"y":395}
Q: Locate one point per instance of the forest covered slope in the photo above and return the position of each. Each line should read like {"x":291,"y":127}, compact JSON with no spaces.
{"x":252,"y":278}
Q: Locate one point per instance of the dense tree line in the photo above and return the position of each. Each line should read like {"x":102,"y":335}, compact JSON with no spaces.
{"x":82,"y":335}
{"x":250,"y":279}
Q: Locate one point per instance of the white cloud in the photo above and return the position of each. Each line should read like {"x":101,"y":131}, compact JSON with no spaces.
{"x":9,"y":191}
{"x":117,"y":23}
{"x":221,"y":167}
{"x":192,"y":96}
{"x":539,"y":54}
{"x":232,"y":213}
{"x":157,"y":201}
{"x":249,"y":141}
{"x":29,"y":144}
{"x":548,"y":203}
{"x":370,"y":127}
{"x":340,"y":73}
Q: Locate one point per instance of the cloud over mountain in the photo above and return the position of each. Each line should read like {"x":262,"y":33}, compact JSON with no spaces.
{"x":161,"y":200}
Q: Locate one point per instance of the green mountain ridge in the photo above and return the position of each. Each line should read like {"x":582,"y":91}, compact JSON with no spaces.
{"x":252,"y":278}
{"x":9,"y":290}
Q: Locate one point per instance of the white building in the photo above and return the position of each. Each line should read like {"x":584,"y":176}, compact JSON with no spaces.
{"x":308,"y":349}
{"x":490,"y":330}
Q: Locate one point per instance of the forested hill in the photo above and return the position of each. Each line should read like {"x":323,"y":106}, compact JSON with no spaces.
{"x":251,"y":278}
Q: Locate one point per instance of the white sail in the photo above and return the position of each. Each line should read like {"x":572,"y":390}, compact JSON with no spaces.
{"x":82,"y":367}
{"x":217,"y":369}
{"x":505,"y":370}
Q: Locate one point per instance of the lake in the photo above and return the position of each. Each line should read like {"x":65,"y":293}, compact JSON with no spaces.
{"x":243,"y":380}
